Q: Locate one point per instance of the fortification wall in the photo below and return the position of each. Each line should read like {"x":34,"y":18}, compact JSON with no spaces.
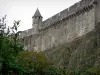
{"x":67,"y":25}
{"x":30,"y":42}
{"x":68,"y":29}
{"x":73,"y":22}
{"x":27,"y":33}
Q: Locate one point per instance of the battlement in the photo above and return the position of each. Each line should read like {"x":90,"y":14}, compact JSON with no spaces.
{"x":71,"y":11}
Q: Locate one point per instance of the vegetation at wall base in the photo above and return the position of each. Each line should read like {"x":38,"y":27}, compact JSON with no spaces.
{"x":16,"y":61}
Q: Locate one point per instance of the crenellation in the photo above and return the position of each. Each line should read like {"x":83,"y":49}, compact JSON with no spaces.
{"x":85,"y":9}
{"x":76,"y":8}
{"x":74,"y":15}
{"x":46,"y":23}
{"x":55,"y":18}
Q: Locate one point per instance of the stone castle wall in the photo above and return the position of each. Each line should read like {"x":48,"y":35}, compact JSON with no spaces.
{"x":63,"y":27}
{"x":68,"y":30}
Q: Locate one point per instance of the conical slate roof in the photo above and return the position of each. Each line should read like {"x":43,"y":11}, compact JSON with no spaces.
{"x":37,"y":13}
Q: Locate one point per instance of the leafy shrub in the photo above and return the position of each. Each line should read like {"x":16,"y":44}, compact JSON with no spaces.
{"x":9,"y":46}
{"x":32,"y":62}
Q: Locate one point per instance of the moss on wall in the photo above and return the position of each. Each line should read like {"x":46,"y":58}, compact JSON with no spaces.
{"x":82,"y":53}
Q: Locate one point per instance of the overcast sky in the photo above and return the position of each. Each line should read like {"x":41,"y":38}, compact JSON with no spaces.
{"x":24,"y":10}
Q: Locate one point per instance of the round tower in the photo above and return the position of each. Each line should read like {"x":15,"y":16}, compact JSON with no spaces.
{"x":37,"y":20}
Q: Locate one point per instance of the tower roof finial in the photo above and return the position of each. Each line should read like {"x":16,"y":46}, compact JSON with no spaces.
{"x":37,"y":13}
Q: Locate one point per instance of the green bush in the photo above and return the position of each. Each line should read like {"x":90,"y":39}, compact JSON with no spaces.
{"x":9,"y":46}
{"x":32,"y":62}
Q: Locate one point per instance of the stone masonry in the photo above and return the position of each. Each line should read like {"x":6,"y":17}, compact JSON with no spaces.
{"x":64,"y":27}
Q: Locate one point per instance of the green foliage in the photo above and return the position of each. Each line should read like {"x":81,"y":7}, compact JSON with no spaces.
{"x":35,"y":63}
{"x":32,"y":62}
{"x":9,"y":46}
{"x":53,"y":70}
{"x":94,"y":70}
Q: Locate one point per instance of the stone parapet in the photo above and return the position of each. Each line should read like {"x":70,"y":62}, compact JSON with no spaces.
{"x":72,"y":11}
